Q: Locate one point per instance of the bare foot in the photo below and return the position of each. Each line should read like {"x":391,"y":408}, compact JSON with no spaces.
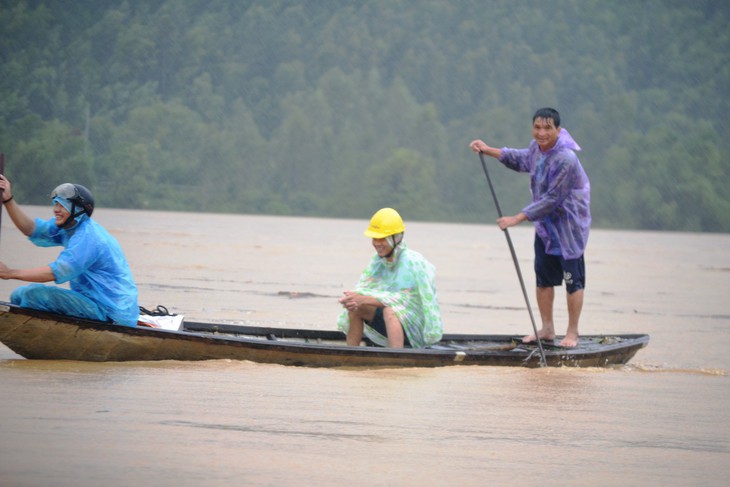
{"x":543,"y":334}
{"x":570,"y":340}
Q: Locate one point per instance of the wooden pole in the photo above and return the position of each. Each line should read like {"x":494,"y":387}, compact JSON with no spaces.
{"x":514,"y":259}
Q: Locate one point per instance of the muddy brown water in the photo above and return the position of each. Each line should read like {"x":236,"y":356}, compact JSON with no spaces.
{"x":663,"y":419}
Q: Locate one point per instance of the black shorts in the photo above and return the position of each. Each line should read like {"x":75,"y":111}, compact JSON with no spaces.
{"x":552,"y":270}
{"x":378,"y":324}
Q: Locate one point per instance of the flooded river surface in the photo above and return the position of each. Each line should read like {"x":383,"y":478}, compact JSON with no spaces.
{"x":663,"y":419}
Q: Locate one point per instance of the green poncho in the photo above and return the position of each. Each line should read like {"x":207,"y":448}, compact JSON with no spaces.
{"x":407,"y":286}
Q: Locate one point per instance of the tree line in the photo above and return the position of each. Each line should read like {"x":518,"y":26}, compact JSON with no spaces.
{"x":338,"y":108}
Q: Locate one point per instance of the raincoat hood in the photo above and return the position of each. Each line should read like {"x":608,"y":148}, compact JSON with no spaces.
{"x":565,"y":141}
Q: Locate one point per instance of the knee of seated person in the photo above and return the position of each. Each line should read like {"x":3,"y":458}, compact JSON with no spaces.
{"x":16,"y":296}
{"x":388,"y":313}
{"x":22,"y":292}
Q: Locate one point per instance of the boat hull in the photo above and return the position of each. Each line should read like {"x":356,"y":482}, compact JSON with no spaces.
{"x":47,"y":336}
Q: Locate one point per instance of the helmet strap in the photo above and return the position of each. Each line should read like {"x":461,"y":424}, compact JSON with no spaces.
{"x":68,"y":223}
{"x":71,"y":220}
{"x":394,"y":244}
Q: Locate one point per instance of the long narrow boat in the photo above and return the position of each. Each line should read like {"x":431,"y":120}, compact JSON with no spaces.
{"x":47,"y":336}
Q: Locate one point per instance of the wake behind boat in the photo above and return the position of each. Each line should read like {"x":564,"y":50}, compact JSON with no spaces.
{"x":48,"y":336}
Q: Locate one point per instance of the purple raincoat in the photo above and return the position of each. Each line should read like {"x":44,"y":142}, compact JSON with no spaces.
{"x":561,"y":194}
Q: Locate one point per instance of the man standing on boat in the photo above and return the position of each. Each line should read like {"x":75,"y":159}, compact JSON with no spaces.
{"x":102,"y":287}
{"x":395,"y":302}
{"x":560,"y":210}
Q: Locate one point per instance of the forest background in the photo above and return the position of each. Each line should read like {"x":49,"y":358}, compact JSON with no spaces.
{"x":337,"y":108}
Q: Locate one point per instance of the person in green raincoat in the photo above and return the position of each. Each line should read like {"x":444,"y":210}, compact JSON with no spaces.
{"x":395,"y":302}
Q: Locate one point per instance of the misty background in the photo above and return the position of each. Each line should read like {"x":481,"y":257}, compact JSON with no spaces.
{"x":338,"y":108}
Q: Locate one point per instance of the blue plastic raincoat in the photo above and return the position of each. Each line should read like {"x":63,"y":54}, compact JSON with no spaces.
{"x":93,"y":263}
{"x":561,"y":194}
{"x":406,"y":285}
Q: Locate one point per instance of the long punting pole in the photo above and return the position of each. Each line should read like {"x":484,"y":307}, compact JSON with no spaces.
{"x":514,"y":259}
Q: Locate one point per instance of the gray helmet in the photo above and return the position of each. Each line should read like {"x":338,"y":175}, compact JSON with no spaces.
{"x":78,"y":195}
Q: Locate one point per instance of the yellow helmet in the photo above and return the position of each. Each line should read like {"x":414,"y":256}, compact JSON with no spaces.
{"x":384,"y":223}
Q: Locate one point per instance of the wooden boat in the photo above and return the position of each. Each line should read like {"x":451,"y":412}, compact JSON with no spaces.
{"x":41,"y":335}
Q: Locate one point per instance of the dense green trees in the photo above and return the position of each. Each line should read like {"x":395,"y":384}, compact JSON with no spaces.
{"x":338,"y":108}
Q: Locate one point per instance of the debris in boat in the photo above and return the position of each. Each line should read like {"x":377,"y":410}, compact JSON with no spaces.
{"x":609,"y":340}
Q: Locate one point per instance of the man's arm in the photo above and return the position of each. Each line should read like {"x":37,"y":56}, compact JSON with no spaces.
{"x":24,"y":223}
{"x":36,"y":274}
{"x":480,"y":147}
{"x":510,"y":221}
{"x":352,"y":300}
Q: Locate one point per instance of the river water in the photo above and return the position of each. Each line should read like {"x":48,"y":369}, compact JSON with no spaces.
{"x":664,"y":419}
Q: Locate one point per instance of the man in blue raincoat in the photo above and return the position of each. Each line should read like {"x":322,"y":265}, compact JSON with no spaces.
{"x":92,"y":262}
{"x":560,"y":210}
